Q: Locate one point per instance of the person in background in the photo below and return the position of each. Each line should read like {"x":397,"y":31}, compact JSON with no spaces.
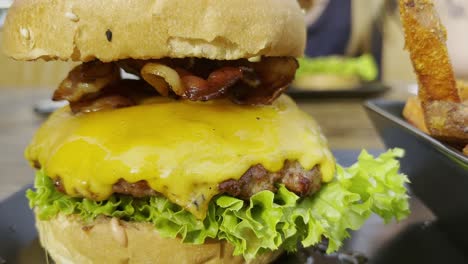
{"x":343,"y":45}
{"x":354,"y":27}
{"x":396,"y":63}
{"x":454,"y":15}
{"x":343,"y":27}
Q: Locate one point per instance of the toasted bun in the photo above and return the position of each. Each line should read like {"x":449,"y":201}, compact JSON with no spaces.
{"x":68,"y":240}
{"x":113,"y":30}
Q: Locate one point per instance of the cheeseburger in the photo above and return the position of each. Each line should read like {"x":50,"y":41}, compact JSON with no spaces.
{"x":200,"y":159}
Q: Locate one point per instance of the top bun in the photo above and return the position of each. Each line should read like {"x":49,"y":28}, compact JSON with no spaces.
{"x":113,"y":30}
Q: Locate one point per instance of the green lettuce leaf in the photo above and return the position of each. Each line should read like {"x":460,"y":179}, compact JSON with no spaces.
{"x":363,"y":67}
{"x":268,"y":221}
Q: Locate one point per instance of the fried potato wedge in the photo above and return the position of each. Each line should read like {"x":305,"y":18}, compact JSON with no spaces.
{"x":413,"y":112}
{"x":446,"y":117}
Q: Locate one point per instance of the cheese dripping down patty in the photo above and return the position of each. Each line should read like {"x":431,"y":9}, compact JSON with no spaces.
{"x":183,"y":149}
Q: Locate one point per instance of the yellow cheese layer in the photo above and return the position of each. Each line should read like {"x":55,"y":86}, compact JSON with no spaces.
{"x":182,"y":149}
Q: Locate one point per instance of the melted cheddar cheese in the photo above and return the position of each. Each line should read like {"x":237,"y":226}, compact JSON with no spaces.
{"x":182,"y":149}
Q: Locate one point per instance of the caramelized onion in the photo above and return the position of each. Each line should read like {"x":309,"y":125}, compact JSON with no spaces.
{"x":162,"y":78}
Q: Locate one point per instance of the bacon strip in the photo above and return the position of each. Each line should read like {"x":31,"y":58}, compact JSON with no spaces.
{"x":216,"y":85}
{"x":241,"y":81}
{"x":85,"y":80}
{"x":95,"y":86}
{"x":275,"y":74}
{"x":124,"y":93}
{"x":105,"y":102}
{"x":257,"y":83}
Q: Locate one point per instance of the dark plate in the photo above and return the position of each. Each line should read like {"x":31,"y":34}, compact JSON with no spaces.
{"x":414,"y":240}
{"x":438,"y":173}
{"x":367,"y":89}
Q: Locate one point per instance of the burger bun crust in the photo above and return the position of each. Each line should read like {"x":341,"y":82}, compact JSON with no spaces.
{"x":69,"y":240}
{"x":120,"y":29}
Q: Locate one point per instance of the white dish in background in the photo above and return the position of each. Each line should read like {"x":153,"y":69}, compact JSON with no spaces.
{"x":2,"y":17}
{"x":4,"y":5}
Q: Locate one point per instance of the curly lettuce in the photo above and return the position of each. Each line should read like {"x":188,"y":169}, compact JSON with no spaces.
{"x":363,"y":67}
{"x":268,"y":221}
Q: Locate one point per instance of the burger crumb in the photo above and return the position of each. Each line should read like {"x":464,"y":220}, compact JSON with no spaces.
{"x":109,"y":35}
{"x":72,"y":16}
{"x":37,"y":164}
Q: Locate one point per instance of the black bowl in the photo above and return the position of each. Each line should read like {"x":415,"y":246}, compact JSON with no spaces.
{"x":438,"y":172}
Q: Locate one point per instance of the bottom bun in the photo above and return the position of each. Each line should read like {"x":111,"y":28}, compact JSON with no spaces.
{"x":108,"y":240}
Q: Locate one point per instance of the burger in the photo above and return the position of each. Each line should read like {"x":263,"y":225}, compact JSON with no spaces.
{"x":198,"y":158}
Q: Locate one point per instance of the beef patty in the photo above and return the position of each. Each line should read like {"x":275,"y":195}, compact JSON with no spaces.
{"x":255,"y":179}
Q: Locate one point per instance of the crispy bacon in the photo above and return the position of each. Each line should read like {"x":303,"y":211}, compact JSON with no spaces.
{"x":217,"y":84}
{"x":105,"y":102}
{"x":274,"y":74}
{"x":86,"y":80}
{"x":121,"y":94}
{"x":244,"y":83}
{"x":241,"y":81}
{"x":94,"y":86}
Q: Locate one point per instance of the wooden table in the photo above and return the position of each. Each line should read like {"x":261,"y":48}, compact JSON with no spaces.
{"x":343,"y":121}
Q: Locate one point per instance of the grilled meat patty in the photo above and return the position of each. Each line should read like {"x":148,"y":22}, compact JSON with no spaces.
{"x":254,"y":180}
{"x":257,"y":178}
{"x":137,"y":189}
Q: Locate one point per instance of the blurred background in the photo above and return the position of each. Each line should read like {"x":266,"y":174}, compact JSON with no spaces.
{"x":355,"y":27}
